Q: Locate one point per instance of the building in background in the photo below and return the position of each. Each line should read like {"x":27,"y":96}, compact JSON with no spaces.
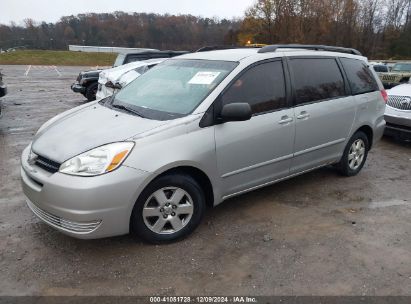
{"x":103,"y":49}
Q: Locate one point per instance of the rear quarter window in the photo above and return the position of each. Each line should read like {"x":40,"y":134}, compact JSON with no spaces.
{"x":360,"y":77}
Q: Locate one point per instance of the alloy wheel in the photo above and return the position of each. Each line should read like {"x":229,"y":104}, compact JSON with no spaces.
{"x":356,"y":154}
{"x":168,"y":210}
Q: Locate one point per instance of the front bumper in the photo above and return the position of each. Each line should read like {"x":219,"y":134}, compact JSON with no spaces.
{"x":398,"y":123}
{"x":83,"y":207}
{"x":78,"y":88}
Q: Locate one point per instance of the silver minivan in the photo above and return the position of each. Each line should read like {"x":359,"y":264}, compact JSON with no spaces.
{"x":199,"y":129}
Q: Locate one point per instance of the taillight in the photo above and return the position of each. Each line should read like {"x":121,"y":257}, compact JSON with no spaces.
{"x":384,"y":95}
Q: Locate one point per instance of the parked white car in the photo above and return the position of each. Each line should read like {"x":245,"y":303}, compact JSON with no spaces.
{"x":112,"y":80}
{"x":398,"y":112}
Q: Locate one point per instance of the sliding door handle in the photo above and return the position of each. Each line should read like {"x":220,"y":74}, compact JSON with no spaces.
{"x":285,"y":120}
{"x":303,"y":115}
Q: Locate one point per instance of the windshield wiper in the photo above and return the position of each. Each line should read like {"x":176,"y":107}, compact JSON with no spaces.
{"x":127,"y":109}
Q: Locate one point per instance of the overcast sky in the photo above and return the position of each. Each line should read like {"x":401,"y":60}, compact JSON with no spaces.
{"x":52,"y":10}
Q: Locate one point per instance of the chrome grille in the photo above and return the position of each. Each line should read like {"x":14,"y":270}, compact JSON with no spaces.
{"x":47,"y":164}
{"x":400,"y":102}
{"x":58,"y":222}
{"x":388,"y":77}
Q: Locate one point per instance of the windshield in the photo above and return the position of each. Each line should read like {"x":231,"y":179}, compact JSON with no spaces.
{"x":174,"y":88}
{"x":402,"y":67}
{"x":119,"y":60}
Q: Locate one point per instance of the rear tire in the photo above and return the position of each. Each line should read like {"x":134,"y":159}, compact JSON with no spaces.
{"x":355,"y":155}
{"x":169,"y":209}
{"x":91,"y":91}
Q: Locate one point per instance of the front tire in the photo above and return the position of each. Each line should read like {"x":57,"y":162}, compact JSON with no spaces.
{"x":91,"y":91}
{"x":169,"y":209}
{"x":355,"y":154}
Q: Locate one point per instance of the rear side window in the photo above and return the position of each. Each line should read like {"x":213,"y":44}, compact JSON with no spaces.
{"x":262,"y":87}
{"x":359,"y":76}
{"x":316,"y":79}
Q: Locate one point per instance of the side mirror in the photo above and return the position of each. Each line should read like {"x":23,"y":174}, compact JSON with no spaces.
{"x":236,"y":112}
{"x":111,"y":85}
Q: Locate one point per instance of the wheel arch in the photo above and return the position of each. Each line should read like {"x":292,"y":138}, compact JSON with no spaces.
{"x":197,"y":174}
{"x":369,"y":132}
{"x":89,"y":87}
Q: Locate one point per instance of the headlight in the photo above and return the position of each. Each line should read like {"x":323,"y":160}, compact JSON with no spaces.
{"x":98,"y":161}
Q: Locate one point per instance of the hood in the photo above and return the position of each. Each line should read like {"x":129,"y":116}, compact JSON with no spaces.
{"x":400,"y":90}
{"x":93,"y":73}
{"x":116,"y":73}
{"x":86,"y":129}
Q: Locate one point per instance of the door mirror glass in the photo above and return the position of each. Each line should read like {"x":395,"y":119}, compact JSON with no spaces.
{"x":236,"y":112}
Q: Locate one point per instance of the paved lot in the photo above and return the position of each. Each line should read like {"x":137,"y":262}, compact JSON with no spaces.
{"x":318,"y":234}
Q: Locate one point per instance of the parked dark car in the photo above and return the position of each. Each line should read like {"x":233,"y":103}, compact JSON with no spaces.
{"x":3,"y":89}
{"x":87,"y":81}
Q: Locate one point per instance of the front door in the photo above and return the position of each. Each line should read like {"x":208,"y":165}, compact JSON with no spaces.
{"x":255,"y":152}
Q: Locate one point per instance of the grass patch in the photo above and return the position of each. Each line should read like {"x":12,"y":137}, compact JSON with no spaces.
{"x":39,"y":57}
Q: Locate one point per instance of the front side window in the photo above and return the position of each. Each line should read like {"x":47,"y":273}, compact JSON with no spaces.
{"x":359,"y":76}
{"x":262,"y":87}
{"x":173,"y":88}
{"x":316,"y":79}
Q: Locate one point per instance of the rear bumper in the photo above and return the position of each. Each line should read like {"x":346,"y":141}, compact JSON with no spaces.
{"x":379,"y":131}
{"x":78,"y":88}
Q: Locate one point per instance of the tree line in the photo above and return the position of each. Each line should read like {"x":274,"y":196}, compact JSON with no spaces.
{"x":378,"y":28}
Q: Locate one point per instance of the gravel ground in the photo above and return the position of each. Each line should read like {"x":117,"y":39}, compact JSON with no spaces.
{"x":317,"y":234}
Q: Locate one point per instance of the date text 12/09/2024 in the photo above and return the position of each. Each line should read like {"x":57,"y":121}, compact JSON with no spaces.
{"x":200,"y":299}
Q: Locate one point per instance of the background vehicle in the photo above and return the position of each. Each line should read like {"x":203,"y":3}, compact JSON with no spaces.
{"x":3,"y":89}
{"x":87,"y":81}
{"x":197,"y":130}
{"x":379,"y":68}
{"x":398,"y":112}
{"x":114,"y":79}
{"x":400,"y":73}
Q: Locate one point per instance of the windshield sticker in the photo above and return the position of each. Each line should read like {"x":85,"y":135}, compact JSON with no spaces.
{"x":204,"y":78}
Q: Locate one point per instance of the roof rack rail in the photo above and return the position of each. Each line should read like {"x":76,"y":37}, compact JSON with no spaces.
{"x":224,"y":47}
{"x":274,"y":47}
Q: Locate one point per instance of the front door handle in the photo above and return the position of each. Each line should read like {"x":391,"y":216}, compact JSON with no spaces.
{"x":303,"y":115}
{"x":285,"y":120}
